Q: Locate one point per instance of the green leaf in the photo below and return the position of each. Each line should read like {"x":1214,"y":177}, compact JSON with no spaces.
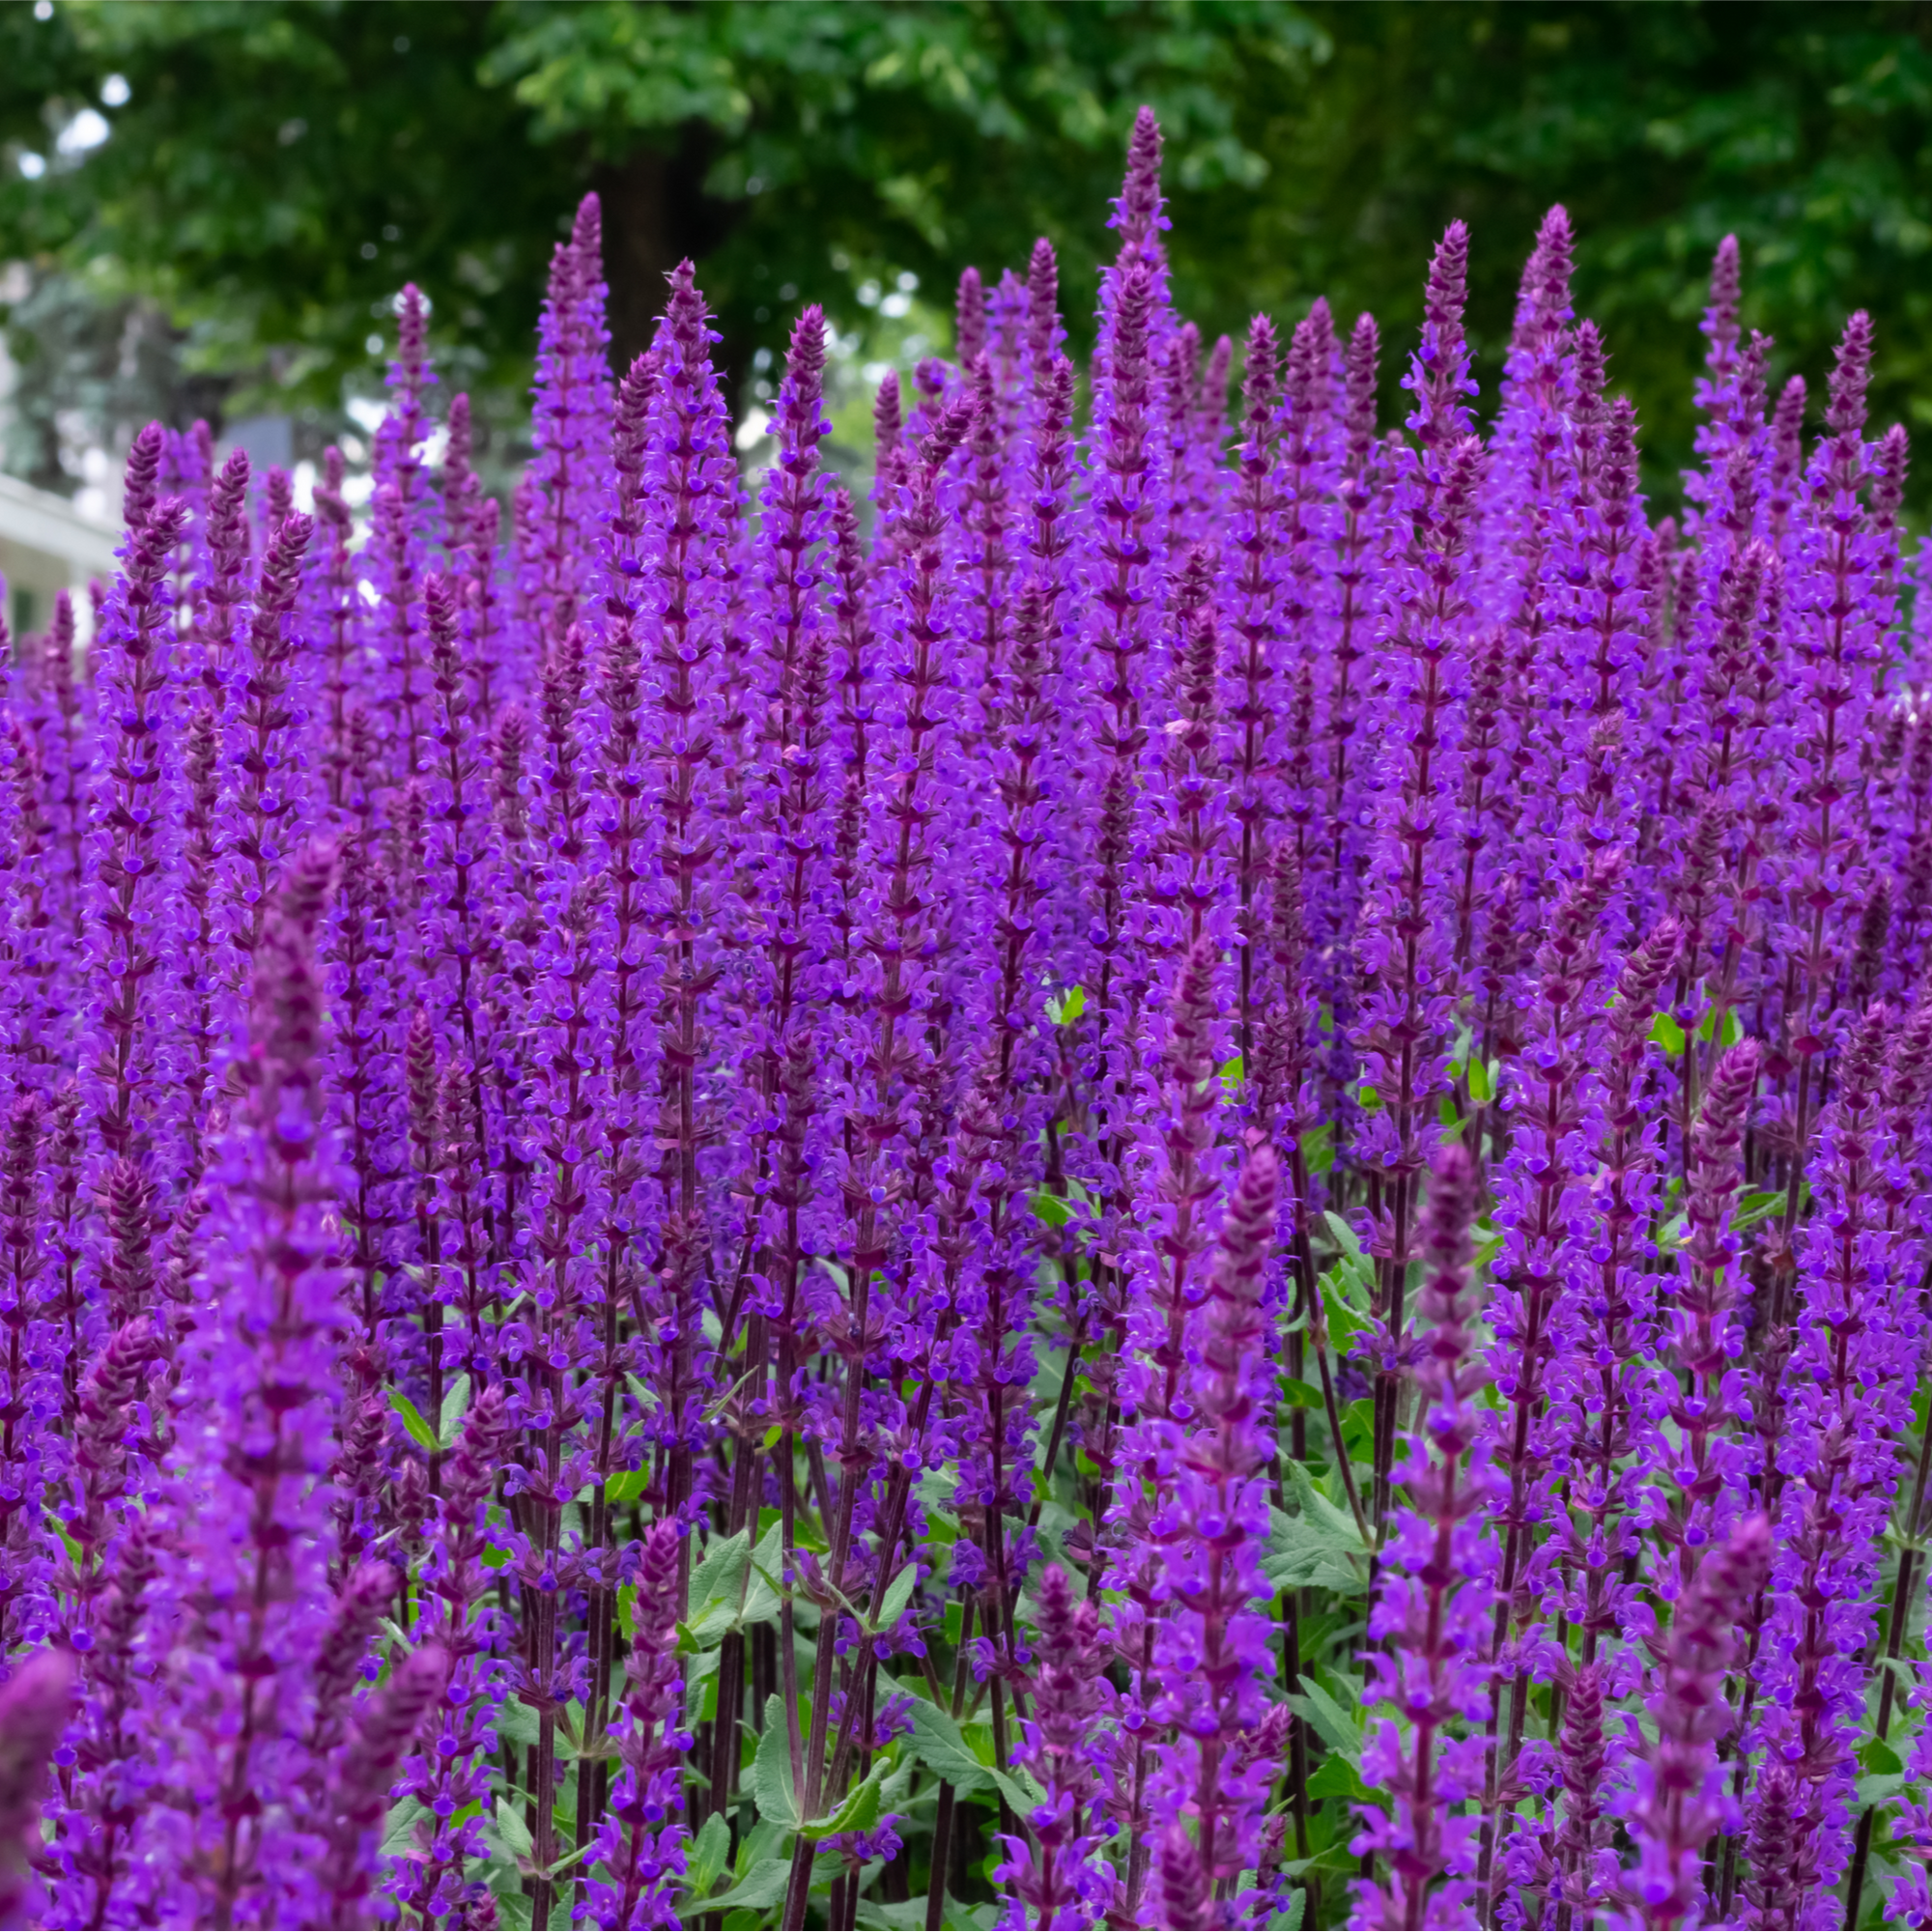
{"x":878,"y":1915}
{"x":758,"y":1891}
{"x":455,"y":1406}
{"x":858,"y":1810}
{"x":1336,"y":1778}
{"x":1069,"y":1007}
{"x":399,"y":1826}
{"x":1339,"y":1731}
{"x":1320,"y":1548}
{"x":769,"y":1780}
{"x":1233,"y":1071}
{"x":709,"y":1853}
{"x":625,"y":1486}
{"x":413,"y":1420}
{"x":764,"y":1591}
{"x":1022,"y":1792}
{"x":1050,"y":1209}
{"x":1345,"y":1237}
{"x":1879,"y":1788}
{"x":1294,"y":1918}
{"x":1299,"y":1394}
{"x":1344,"y":1324}
{"x":720,"y":1570}
{"x":513,"y":1902}
{"x":511,"y":1829}
{"x":1335,"y":1858}
{"x":899,"y":1594}
{"x":1876,"y":1754}
{"x":1734,"y":1029}
{"x":1756,"y":1208}
{"x":717,"y":1589}
{"x":1668,"y":1033}
{"x":516,"y":1723}
{"x":1318,"y":1146}
{"x":938,"y":1746}
{"x":1368,"y":1098}
{"x":1482,"y":1088}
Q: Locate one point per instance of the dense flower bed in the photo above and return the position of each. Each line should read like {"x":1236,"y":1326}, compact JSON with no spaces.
{"x":1190,"y":1193}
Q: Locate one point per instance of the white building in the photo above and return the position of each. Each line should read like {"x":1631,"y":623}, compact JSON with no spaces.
{"x":49,"y":546}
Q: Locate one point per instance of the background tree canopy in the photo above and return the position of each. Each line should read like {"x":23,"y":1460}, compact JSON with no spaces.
{"x":269,"y":173}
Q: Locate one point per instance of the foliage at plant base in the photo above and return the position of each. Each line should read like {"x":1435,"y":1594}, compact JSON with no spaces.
{"x":1179,"y":1182}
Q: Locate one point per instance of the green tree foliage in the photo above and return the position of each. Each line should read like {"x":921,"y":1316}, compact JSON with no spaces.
{"x":278,"y":169}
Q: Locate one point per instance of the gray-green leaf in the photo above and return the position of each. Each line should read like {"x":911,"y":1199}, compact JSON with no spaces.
{"x":769,"y":1782}
{"x":899,"y":1594}
{"x":512,"y":1829}
{"x":939,"y":1747}
{"x":1339,"y":1731}
{"x":707,"y":1857}
{"x":758,"y":1891}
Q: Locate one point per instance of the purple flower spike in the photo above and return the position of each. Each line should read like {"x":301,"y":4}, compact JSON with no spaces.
{"x":1677,"y":1797}
{"x":34,"y":1705}
{"x":1432,"y":1608}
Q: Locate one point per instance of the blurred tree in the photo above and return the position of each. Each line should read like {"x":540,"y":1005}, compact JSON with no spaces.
{"x":275,"y":170}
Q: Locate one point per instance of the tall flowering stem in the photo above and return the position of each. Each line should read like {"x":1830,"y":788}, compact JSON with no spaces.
{"x":1432,"y":1603}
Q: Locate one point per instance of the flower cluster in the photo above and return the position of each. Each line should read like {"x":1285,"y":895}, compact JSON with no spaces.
{"x":1178,"y":1174}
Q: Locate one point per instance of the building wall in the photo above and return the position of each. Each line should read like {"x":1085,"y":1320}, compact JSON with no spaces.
{"x":46,"y":546}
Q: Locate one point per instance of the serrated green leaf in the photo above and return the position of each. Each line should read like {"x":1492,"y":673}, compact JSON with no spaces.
{"x":708,"y":1855}
{"x":413,"y":1420}
{"x":1345,"y":1237}
{"x":1339,"y":1731}
{"x":721,"y":1571}
{"x":1319,"y":1548}
{"x":1021,"y":1792}
{"x":1335,"y":1858}
{"x":1294,"y":1918}
{"x":513,"y":1902}
{"x":858,"y":1810}
{"x":937,"y":1743}
{"x":399,"y":1826}
{"x":758,"y":1891}
{"x":1344,"y":1324}
{"x":512,"y":1829}
{"x":455,"y":1406}
{"x":769,"y":1780}
{"x":899,"y":1594}
{"x":763,"y":1591}
{"x":516,"y":1723}
{"x":1879,"y":1787}
{"x":1877,"y":1755}
{"x":719,"y":1589}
